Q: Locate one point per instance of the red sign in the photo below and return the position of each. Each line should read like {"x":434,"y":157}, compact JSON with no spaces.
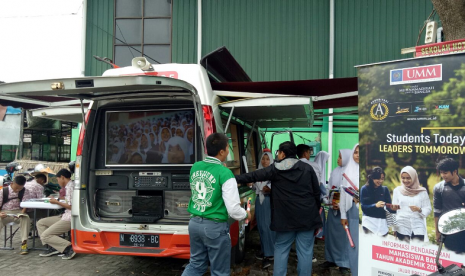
{"x":416,"y":74}
{"x":448,"y":47}
{"x":421,"y":73}
{"x":407,"y":258}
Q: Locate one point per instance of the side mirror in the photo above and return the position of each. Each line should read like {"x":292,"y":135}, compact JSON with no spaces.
{"x":452,"y":222}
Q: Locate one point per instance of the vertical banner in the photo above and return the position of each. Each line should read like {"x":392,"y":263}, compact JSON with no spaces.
{"x":411,"y":115}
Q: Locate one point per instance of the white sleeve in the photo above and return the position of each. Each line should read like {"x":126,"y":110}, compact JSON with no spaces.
{"x":425,"y":205}
{"x":232,"y":201}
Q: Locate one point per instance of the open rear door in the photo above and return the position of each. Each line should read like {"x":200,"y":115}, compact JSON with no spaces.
{"x":273,"y":112}
{"x":63,"y":98}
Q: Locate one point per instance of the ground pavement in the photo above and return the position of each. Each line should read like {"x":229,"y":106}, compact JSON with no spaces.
{"x":12,"y":263}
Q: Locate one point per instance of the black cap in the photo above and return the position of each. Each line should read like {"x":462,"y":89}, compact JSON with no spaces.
{"x":63,"y":172}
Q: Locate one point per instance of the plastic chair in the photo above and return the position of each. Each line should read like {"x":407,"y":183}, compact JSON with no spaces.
{"x":9,"y":237}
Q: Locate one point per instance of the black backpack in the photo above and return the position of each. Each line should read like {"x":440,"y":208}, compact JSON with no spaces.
{"x":6,"y":191}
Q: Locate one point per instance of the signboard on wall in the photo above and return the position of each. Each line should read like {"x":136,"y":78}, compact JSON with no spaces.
{"x":412,"y":113}
{"x":447,"y":47}
{"x":10,"y":129}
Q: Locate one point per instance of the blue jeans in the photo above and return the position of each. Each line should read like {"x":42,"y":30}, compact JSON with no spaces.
{"x":304,"y":246}
{"x":209,"y":241}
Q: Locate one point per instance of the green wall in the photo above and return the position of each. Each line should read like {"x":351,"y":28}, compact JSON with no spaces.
{"x":368,"y":31}
{"x":184,"y":31}
{"x":271,"y":39}
{"x":99,"y":35}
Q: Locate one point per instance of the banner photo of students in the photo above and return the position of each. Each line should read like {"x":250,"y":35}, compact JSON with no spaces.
{"x":412,"y":145}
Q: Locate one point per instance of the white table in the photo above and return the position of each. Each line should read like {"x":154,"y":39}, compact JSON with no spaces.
{"x":38,"y":204}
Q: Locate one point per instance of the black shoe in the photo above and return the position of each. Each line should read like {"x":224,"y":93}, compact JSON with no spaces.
{"x":50,"y":252}
{"x":259,"y":256}
{"x":68,"y":253}
{"x":266,"y":262}
{"x":344,"y":271}
{"x":327,"y":264}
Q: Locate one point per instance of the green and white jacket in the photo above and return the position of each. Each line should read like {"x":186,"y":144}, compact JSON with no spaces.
{"x":214,"y":192}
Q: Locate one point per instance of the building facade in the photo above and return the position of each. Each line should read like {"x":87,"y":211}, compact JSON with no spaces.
{"x":273,"y":40}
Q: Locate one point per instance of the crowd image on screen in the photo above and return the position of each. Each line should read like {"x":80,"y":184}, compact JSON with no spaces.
{"x":150,"y":137}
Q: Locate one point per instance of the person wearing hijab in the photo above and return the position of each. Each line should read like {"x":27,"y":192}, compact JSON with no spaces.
{"x":189,"y":136}
{"x":117,"y":151}
{"x":375,"y":199}
{"x":177,"y":151}
{"x":414,"y":204}
{"x":179,"y":132}
{"x":163,"y":138}
{"x":335,"y":236}
{"x":145,"y":146}
{"x":263,"y":212}
{"x":349,"y":209}
{"x":321,"y":159}
{"x":153,"y":139}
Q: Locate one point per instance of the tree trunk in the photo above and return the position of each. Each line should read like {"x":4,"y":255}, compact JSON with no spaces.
{"x":452,"y":15}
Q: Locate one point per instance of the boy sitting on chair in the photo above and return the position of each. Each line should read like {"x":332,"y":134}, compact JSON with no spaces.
{"x":51,"y":228}
{"x":10,"y":211}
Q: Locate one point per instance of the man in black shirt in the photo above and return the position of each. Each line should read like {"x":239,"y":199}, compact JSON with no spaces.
{"x":449,"y":194}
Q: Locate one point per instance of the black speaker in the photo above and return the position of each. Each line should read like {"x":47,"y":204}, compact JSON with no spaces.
{"x":114,"y":203}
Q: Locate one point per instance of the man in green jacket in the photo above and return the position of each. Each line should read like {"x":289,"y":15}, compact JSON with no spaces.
{"x":214,"y":198}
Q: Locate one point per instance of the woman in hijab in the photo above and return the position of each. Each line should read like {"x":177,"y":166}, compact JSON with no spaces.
{"x":321,"y":158}
{"x":117,"y":151}
{"x":189,"y":136}
{"x":179,"y":132}
{"x":163,"y":138}
{"x":349,"y":209}
{"x":177,"y":151}
{"x":263,"y":212}
{"x":153,"y":138}
{"x":414,"y":204}
{"x":335,"y":236}
{"x":375,"y":199}
{"x":145,"y":146}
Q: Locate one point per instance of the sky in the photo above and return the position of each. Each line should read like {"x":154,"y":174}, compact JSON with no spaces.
{"x":40,"y":39}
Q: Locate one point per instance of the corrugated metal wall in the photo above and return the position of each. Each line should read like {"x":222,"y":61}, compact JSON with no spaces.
{"x":278,"y":40}
{"x":184,"y":31}
{"x":271,"y":39}
{"x":99,"y":35}
{"x":368,"y":31}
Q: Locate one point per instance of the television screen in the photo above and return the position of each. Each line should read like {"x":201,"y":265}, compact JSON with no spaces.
{"x":155,"y":137}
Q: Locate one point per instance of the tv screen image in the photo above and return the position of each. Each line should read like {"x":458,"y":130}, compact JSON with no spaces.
{"x":154,"y":137}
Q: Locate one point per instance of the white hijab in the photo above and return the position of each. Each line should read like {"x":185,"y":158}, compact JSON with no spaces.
{"x":116,"y":156}
{"x":321,"y":158}
{"x":173,"y":141}
{"x":159,"y":134}
{"x":191,"y":144}
{"x":335,"y":180}
{"x":352,"y":172}
{"x":259,"y":185}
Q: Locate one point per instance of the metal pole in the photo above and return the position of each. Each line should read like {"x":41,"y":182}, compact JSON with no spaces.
{"x":229,"y":120}
{"x":199,"y":31}
{"x":19,"y":152}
